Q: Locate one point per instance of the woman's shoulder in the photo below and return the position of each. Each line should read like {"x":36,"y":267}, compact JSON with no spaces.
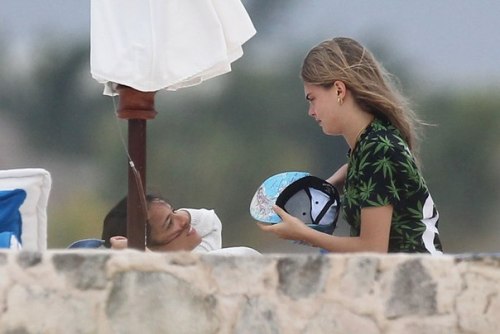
{"x":384,"y":141}
{"x":382,"y":126}
{"x":383,"y":131}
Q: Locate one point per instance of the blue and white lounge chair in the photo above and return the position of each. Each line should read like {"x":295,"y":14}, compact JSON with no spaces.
{"x":24,"y":195}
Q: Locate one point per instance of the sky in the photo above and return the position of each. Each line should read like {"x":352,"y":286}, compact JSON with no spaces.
{"x":448,"y":41}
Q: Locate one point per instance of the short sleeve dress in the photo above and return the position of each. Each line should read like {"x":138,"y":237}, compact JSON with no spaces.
{"x":382,"y":171}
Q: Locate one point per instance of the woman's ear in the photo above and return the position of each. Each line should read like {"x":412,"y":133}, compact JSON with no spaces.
{"x":340,"y":89}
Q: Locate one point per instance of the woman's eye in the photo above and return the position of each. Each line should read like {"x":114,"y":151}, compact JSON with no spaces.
{"x":168,"y":222}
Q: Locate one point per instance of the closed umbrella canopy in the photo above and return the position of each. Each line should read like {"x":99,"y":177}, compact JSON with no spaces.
{"x":165,"y":44}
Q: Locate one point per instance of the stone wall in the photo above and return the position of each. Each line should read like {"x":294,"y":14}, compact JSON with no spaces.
{"x":97,"y":291}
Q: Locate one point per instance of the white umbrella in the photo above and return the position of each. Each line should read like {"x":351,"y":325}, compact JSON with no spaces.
{"x":139,"y":47}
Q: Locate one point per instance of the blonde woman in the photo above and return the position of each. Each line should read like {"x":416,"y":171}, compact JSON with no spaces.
{"x":386,"y":201}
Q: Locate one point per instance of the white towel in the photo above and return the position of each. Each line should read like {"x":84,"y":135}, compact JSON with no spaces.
{"x":208,"y":226}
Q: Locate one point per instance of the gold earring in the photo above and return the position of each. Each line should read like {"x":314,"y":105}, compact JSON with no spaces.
{"x":340,"y":100}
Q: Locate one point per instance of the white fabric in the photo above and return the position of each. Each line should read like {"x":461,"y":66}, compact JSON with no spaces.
{"x":208,"y":226}
{"x":235,"y":251}
{"x":37,"y":183}
{"x":430,"y":220}
{"x":165,"y":44}
{"x":14,"y":243}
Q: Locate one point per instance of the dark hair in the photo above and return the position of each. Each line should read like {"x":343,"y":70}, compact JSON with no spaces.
{"x":115,"y":222}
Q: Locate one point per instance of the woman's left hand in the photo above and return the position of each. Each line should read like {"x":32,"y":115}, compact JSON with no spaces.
{"x":291,"y":228}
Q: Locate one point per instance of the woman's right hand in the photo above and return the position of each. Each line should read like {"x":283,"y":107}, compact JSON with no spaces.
{"x":291,"y":228}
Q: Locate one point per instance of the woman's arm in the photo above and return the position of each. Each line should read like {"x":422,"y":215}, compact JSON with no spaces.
{"x":338,"y":178}
{"x":374,"y":236}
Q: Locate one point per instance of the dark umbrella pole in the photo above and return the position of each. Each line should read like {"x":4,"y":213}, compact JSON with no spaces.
{"x":137,"y":107}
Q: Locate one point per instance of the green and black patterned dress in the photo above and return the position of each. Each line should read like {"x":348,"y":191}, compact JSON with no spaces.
{"x":382,"y":171}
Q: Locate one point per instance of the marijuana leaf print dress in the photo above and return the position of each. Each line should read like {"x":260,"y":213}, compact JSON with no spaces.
{"x":382,"y":171}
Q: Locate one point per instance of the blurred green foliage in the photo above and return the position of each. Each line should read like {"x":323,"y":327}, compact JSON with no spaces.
{"x":213,"y":144}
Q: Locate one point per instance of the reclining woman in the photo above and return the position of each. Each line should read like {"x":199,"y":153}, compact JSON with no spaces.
{"x":168,"y":229}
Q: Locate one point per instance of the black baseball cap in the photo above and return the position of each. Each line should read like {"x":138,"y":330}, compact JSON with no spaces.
{"x":309,"y":198}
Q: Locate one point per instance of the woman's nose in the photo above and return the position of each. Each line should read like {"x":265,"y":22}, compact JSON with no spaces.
{"x":183,"y":219}
{"x":310,"y":111}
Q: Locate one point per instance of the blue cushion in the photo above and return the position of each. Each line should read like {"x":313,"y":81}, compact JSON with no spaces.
{"x":8,"y":240}
{"x":87,"y":243}
{"x":10,"y":217}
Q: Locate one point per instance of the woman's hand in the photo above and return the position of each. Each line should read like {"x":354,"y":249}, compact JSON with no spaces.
{"x":291,"y":228}
{"x":118,"y":242}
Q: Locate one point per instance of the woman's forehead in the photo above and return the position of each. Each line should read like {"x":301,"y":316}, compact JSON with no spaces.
{"x":159,"y":202}
{"x":159,"y":208}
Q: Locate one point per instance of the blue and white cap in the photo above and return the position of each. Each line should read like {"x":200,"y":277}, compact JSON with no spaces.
{"x":311,"y":199}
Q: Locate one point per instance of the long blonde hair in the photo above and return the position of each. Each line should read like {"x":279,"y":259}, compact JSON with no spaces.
{"x":372,"y":87}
